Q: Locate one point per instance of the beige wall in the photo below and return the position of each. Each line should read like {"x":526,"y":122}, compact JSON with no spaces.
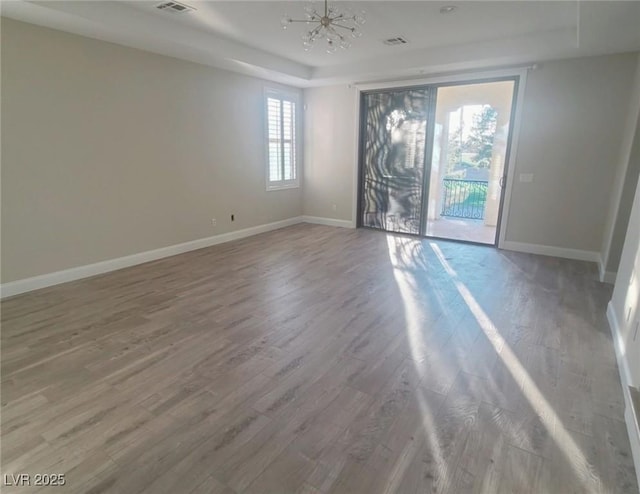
{"x":626,"y":202}
{"x":573,"y":118}
{"x":574,"y":114}
{"x":628,"y":167}
{"x":330,"y":151}
{"x":109,"y":151}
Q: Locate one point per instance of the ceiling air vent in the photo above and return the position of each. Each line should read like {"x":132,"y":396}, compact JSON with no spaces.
{"x":398,"y":40}
{"x":175,"y":7}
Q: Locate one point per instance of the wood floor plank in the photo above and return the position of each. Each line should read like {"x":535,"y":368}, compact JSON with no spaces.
{"x":521,"y":472}
{"x":313,"y":360}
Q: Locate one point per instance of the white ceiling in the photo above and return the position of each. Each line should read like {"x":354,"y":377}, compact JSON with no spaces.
{"x":247,"y":37}
{"x":257,"y":24}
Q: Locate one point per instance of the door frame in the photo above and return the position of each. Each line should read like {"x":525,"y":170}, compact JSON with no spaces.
{"x":518,"y":74}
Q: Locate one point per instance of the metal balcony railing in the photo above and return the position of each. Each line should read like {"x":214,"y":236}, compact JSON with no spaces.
{"x":464,"y":198}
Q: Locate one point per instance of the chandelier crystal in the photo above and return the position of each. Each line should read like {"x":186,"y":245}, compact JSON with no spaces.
{"x":335,"y":26}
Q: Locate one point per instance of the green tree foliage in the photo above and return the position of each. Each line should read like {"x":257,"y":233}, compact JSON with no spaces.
{"x":480,"y":140}
{"x":454,"y":155}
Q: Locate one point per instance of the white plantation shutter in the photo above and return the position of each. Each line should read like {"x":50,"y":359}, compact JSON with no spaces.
{"x":274,"y":119}
{"x":289,"y":139}
{"x":281,"y":141}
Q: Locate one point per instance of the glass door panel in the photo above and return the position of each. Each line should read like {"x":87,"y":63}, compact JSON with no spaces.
{"x":471,"y":136}
{"x":394,"y":130}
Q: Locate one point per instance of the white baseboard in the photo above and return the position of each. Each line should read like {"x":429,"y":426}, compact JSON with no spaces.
{"x":317,"y":220}
{"x":72,"y":274}
{"x":549,"y":250}
{"x":625,"y":380}
{"x":606,"y":276}
{"x":50,"y":279}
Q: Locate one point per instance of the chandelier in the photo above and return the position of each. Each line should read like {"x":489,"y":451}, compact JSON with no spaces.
{"x":335,"y":26}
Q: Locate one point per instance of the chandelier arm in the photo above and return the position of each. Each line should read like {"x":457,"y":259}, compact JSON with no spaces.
{"x":343,"y":27}
{"x":301,"y":20}
{"x":344,"y":18}
{"x":336,"y":33}
{"x":315,"y":31}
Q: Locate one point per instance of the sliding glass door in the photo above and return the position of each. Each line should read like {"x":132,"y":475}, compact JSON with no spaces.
{"x":394,"y":126}
{"x":433,"y":159}
{"x":467,"y":166}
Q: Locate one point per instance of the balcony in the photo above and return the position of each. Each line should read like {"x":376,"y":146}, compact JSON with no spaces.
{"x":464,"y":211}
{"x":464,"y":198}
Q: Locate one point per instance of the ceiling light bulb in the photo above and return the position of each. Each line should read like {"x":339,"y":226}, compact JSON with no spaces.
{"x":285,"y":21}
{"x":447,"y":9}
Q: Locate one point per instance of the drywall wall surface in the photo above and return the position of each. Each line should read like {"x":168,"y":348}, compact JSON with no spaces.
{"x":330,"y":140}
{"x":622,"y":191}
{"x":573,"y":119}
{"x":626,"y":202}
{"x":109,"y":151}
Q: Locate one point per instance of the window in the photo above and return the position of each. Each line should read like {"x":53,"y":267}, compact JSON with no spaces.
{"x":282,"y":163}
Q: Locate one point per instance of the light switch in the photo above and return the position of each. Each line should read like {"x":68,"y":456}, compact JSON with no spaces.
{"x":526,"y":177}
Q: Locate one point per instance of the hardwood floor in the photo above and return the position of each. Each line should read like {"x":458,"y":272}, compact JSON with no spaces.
{"x":318,"y":360}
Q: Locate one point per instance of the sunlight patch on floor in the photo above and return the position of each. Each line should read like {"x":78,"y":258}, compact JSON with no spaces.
{"x":545,"y":411}
{"x":416,"y":341}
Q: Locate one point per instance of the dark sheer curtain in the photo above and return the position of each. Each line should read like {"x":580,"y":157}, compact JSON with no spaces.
{"x":394,"y":130}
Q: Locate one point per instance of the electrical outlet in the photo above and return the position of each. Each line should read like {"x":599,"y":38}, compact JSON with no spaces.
{"x":213,"y":222}
{"x":334,"y":207}
{"x":526,"y":177}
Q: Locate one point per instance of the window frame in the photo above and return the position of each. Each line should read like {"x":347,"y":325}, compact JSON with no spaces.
{"x":282,"y":95}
